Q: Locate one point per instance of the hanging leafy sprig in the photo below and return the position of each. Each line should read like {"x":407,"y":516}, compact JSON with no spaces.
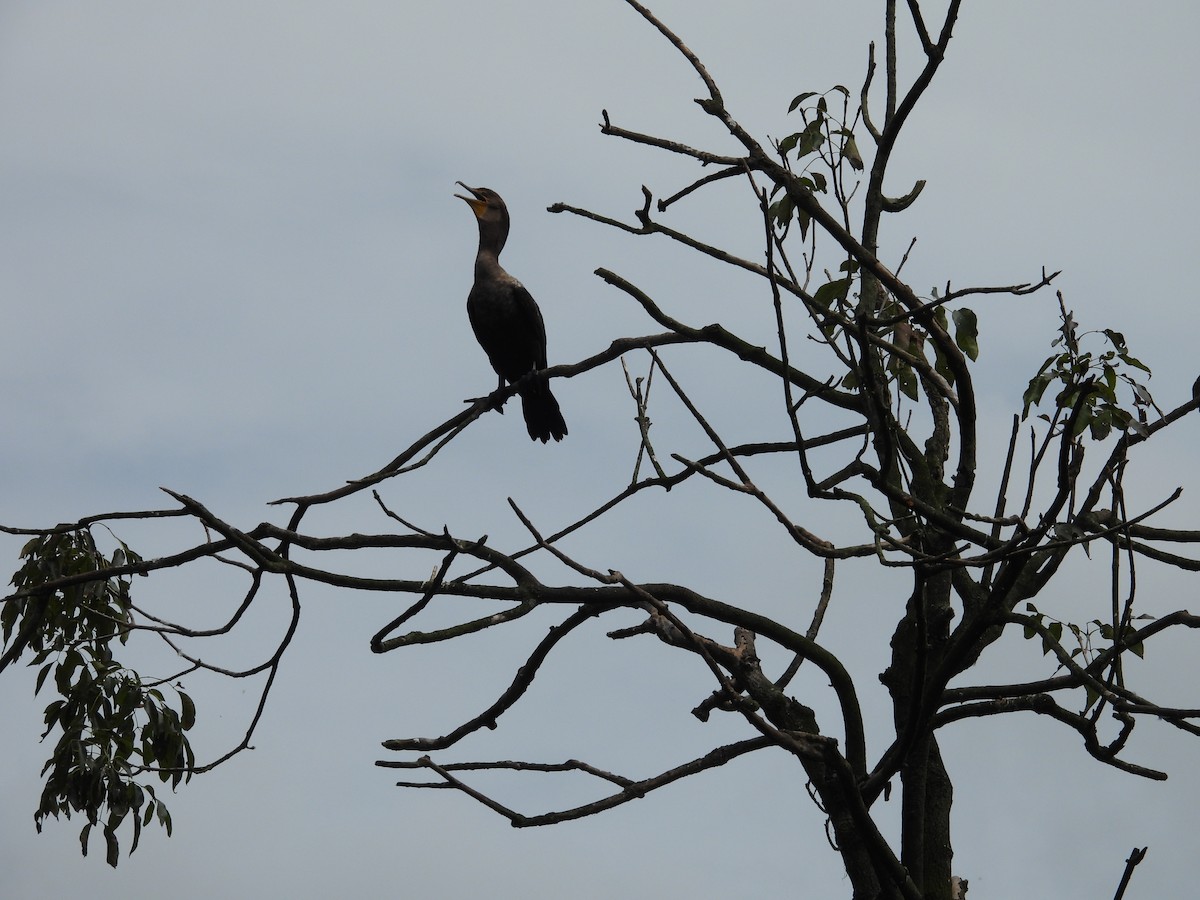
{"x":114,"y":729}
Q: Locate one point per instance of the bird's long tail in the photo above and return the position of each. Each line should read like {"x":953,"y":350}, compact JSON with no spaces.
{"x":543,"y":418}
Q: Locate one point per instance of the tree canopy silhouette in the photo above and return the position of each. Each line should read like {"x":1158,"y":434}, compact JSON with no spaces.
{"x":876,"y":436}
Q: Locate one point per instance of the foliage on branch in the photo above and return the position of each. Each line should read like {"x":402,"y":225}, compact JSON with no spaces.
{"x":1090,"y":380}
{"x":114,"y":730}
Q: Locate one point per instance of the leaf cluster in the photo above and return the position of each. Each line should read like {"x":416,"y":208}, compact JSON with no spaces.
{"x":1088,"y":380}
{"x":1091,"y":639}
{"x":1086,"y":636}
{"x":114,"y":728}
{"x":823,"y":137}
{"x":821,"y":130}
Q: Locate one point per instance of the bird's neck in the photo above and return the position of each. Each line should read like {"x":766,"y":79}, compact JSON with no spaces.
{"x":487,"y":264}
{"x":491,"y":242}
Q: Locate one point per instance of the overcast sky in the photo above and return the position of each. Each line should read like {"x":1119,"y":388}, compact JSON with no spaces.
{"x":231,"y":264}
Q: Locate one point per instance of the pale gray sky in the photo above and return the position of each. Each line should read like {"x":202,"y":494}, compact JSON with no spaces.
{"x":232,"y":265}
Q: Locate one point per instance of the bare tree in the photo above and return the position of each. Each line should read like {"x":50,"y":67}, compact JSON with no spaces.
{"x":883,"y":422}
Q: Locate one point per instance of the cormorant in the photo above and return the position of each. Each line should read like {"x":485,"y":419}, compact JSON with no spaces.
{"x":507,"y":322}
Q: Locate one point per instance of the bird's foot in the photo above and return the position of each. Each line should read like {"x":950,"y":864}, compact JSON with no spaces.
{"x":492,"y":401}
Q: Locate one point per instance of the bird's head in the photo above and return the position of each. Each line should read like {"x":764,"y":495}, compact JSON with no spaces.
{"x":485,"y":203}
{"x":492,"y":215}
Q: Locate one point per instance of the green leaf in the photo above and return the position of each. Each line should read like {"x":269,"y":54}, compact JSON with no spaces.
{"x":1116,"y":338}
{"x":41,"y":678}
{"x":1136,"y":363}
{"x":851,"y":155}
{"x":1109,"y":382}
{"x":72,"y":661}
{"x":164,"y":817}
{"x":1141,"y":395}
{"x":803,"y":219}
{"x":1084,"y":420}
{"x":811,"y":138}
{"x":832,"y":291}
{"x":189,"y":711}
{"x":1035,"y":390}
{"x":114,"y":851}
{"x":51,"y":715}
{"x":1101,"y":425}
{"x":781,"y":210}
{"x":966,"y":332}
{"x":800,"y":98}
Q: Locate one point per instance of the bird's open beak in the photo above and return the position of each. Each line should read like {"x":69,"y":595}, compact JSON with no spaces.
{"x":477,"y":205}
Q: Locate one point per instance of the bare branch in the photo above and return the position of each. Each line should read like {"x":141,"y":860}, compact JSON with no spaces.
{"x":1135,"y":857}
{"x":1044,"y":705}
{"x":631,"y":790}
{"x":650,"y":140}
{"x":715,"y":334}
{"x":524,"y":677}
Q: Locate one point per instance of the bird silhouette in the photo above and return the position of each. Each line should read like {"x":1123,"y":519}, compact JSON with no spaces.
{"x":507,"y":322}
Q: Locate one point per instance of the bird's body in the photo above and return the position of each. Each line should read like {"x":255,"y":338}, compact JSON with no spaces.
{"x":507,"y":322}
